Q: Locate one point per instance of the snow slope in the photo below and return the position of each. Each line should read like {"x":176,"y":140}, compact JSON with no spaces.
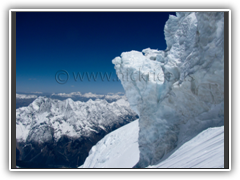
{"x":206,"y":150}
{"x":178,"y":92}
{"x":119,"y":149}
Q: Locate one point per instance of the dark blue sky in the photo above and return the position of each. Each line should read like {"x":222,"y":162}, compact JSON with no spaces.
{"x":80,"y":42}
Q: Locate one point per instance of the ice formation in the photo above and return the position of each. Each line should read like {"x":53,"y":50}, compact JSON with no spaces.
{"x":179,"y":92}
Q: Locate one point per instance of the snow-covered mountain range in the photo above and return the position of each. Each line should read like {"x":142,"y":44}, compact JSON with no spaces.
{"x":78,"y":96}
{"x":23,"y":100}
{"x":54,"y":133}
{"x":179,"y":92}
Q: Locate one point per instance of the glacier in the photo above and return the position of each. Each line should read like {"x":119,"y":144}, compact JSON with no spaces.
{"x":178,"y":92}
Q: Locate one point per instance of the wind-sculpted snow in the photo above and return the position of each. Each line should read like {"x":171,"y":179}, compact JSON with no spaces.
{"x":118,"y":149}
{"x":179,"y":92}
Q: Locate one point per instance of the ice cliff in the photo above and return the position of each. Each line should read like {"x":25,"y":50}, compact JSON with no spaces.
{"x":178,"y":92}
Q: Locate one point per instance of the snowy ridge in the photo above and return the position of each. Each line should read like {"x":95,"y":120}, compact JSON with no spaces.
{"x":179,"y":92}
{"x":119,"y":149}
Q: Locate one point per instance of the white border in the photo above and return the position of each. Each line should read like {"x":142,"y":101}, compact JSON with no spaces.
{"x":132,"y":10}
{"x":119,"y":10}
{"x":10,"y":87}
{"x":230,"y":95}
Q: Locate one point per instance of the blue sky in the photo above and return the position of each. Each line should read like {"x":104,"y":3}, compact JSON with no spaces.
{"x":80,"y":42}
